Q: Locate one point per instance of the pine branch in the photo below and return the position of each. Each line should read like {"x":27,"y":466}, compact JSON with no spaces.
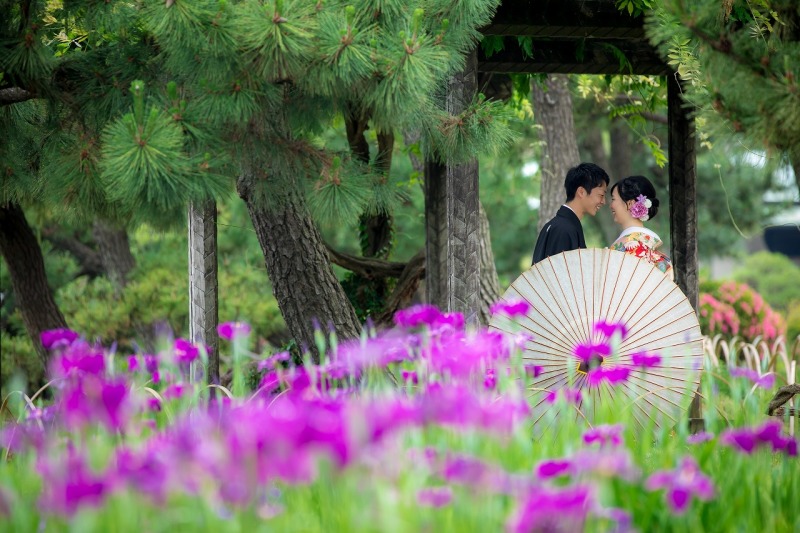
{"x":367,"y":267}
{"x":14,"y":95}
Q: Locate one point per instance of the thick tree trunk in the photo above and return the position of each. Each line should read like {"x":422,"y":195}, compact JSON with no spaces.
{"x":303,"y":282}
{"x":25,"y":264}
{"x":115,"y":252}
{"x":552,"y":108}
{"x":593,"y":145}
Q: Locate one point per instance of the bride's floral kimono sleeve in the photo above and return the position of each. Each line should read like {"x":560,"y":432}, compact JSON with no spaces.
{"x":644,"y":244}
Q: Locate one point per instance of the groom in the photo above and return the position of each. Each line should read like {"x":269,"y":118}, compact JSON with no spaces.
{"x":585,"y":186}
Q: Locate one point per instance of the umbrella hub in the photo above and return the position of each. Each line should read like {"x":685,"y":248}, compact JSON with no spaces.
{"x":595,"y":361}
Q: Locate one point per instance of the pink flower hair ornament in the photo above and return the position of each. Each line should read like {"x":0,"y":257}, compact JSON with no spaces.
{"x":641,"y":208}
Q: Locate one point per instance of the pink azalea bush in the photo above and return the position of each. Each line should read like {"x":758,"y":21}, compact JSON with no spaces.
{"x":424,"y":427}
{"x":735,"y":309}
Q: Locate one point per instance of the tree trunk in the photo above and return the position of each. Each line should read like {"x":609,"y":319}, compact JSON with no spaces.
{"x":593,"y":144}
{"x":115,"y":252}
{"x":303,"y":282}
{"x":25,"y":263}
{"x":553,"y":111}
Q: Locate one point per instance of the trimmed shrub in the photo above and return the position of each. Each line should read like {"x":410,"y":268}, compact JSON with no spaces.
{"x":733,"y":309}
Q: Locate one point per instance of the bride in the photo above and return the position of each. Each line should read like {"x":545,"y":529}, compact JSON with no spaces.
{"x":634,"y":202}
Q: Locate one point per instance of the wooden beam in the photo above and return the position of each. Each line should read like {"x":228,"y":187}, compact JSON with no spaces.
{"x":683,"y":209}
{"x":564,"y":18}
{"x":576,"y":56}
{"x":203,"y":284}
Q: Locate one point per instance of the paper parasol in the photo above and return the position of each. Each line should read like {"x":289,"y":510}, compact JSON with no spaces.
{"x":569,"y":293}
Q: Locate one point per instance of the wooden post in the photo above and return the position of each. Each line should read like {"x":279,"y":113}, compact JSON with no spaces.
{"x":683,"y":208}
{"x":203,"y":284}
{"x":452,"y":218}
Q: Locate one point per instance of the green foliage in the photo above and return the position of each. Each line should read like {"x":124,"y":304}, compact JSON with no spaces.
{"x":741,"y":60}
{"x":793,"y":322}
{"x":772,"y":275}
{"x":18,"y":359}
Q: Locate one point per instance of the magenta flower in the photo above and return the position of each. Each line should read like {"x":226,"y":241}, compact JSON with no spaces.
{"x":270,"y":382}
{"x":767,"y":381}
{"x":533,"y":371}
{"x":610,"y":328}
{"x":606,"y":462}
{"x":645,"y":360}
{"x":552,"y":510}
{"x":749,"y":439}
{"x":410,"y":376}
{"x":613,"y":376}
{"x":185,"y":351}
{"x":273,"y":360}
{"x":604,"y":434}
{"x":435,"y":496}
{"x":588,"y":352}
{"x":79,"y":359}
{"x":133,"y":363}
{"x":151,"y":364}
{"x":681,"y":484}
{"x":69,"y":484}
{"x":54,"y":339}
{"x":697,"y":438}
{"x":570,"y":395}
{"x":510,"y":308}
{"x":490,"y":380}
{"x":233,"y":330}
{"x":554,"y":468}
{"x":174,"y":391}
{"x":417,"y":316}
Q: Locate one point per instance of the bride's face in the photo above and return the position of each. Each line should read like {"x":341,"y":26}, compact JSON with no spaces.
{"x":619,"y":209}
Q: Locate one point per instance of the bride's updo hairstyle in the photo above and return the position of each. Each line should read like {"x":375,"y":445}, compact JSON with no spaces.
{"x":632,"y":187}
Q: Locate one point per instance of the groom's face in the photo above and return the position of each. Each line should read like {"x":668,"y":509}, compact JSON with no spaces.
{"x":594,"y":200}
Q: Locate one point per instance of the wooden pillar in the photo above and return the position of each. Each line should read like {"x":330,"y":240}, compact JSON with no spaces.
{"x":452,"y":218}
{"x":683,"y":208}
{"x":203,"y":284}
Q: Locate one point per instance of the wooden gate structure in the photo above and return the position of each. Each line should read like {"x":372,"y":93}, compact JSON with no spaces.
{"x":568,"y":37}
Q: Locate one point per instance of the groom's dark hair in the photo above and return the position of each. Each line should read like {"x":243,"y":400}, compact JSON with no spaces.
{"x":586,"y":175}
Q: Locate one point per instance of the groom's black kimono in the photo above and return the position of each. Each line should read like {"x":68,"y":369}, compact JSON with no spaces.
{"x":563,"y":233}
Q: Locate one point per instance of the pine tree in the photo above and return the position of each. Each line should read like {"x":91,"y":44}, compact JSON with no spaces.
{"x":740,"y":60}
{"x":164,"y":103}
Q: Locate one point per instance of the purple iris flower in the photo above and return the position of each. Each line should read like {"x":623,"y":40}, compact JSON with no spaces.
{"x":490,"y":380}
{"x":273,"y":360}
{"x":80,"y":359}
{"x":613,"y":376}
{"x":570,"y":395}
{"x":233,"y":330}
{"x":69,"y":484}
{"x":510,"y":308}
{"x":767,"y":381}
{"x":606,"y":462}
{"x":185,"y":351}
{"x":553,"y":468}
{"x":435,"y":496}
{"x":609,"y":328}
{"x":410,"y":376}
{"x":586,"y":352}
{"x":54,"y":339}
{"x":681,"y":484}
{"x":697,"y":438}
{"x":645,"y":360}
{"x":552,"y":510}
{"x":748,"y":440}
{"x":133,"y":363}
{"x":533,"y":371}
{"x":604,"y":434}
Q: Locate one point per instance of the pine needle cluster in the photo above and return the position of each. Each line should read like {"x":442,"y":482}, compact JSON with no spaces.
{"x":161,"y":103}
